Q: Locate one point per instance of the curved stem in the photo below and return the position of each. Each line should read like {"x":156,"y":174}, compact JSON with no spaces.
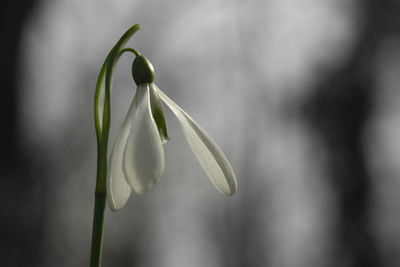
{"x":129,"y":49}
{"x":102,"y":116}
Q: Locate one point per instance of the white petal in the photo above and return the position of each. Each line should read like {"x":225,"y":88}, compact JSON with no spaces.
{"x":206,"y":150}
{"x":118,"y":190}
{"x":143,"y":159}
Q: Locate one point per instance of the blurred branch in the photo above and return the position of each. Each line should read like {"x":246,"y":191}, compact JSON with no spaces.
{"x":338,"y":111}
{"x":23,"y":207}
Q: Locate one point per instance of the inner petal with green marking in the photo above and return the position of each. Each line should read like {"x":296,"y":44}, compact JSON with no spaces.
{"x":158,"y":114}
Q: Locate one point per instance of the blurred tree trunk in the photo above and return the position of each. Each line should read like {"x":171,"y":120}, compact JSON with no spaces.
{"x":22,"y":212}
{"x":339,"y":111}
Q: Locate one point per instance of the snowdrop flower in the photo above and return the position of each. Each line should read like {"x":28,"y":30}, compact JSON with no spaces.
{"x":137,"y":159}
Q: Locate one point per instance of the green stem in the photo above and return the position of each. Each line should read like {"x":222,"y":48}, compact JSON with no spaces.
{"x":99,"y":206}
{"x":129,"y":49}
{"x":98,"y":226}
{"x":102,"y":110}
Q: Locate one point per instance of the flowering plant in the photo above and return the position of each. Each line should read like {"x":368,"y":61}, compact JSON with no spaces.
{"x":137,"y":158}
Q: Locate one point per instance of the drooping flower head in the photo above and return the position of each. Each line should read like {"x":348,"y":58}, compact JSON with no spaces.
{"x":137,"y":158}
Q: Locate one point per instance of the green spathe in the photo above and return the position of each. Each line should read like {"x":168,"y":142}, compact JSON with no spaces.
{"x":142,"y":70}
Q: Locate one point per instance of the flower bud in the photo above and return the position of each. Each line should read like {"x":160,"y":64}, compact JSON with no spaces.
{"x":142,"y":70}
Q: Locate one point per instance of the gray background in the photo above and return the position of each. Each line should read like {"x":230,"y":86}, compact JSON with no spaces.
{"x":301,"y":95}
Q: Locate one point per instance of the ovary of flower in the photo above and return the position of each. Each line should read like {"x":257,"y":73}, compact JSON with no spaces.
{"x":137,"y":159}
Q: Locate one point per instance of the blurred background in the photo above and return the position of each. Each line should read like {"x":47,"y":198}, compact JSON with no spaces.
{"x":301,"y":95}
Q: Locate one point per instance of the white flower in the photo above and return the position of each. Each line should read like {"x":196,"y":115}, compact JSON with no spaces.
{"x":137,"y":159}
